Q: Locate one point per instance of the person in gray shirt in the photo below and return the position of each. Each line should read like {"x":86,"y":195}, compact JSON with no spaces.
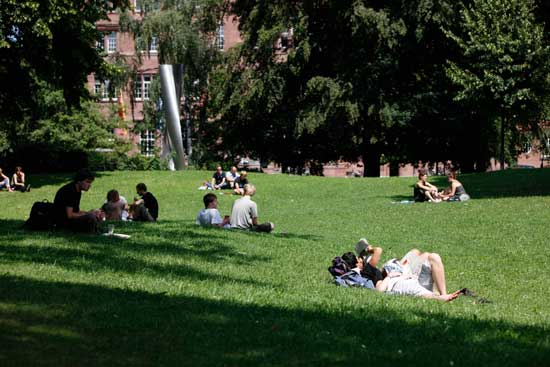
{"x":244,"y":214}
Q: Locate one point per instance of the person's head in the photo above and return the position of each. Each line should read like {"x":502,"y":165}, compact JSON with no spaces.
{"x":83,"y":179}
{"x":219,"y":169}
{"x":141,"y":188}
{"x":210,"y":201}
{"x":422,"y":174}
{"x":243,"y":174}
{"x":451,"y":175}
{"x":352,"y":261}
{"x":249,"y":189}
{"x":233,"y":169}
{"x":113,"y":196}
{"x":18,"y":169}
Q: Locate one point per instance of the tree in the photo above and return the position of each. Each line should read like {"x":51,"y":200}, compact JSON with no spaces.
{"x":504,"y":65}
{"x":51,"y":42}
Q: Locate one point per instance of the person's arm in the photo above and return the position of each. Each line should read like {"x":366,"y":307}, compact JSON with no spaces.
{"x":420,"y":185}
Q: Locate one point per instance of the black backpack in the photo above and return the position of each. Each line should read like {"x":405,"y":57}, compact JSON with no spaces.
{"x":42,"y":217}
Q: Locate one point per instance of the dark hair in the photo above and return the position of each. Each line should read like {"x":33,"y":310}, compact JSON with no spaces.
{"x":141,"y":187}
{"x":350,"y":259}
{"x":84,"y":174}
{"x":452,"y":174}
{"x":208,"y":198}
{"x":113,"y":195}
{"x":422,"y":172}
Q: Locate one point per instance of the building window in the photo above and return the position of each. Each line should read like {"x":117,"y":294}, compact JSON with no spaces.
{"x":220,"y":37}
{"x":153,"y":47}
{"x":526,"y":147}
{"x":112,"y":42}
{"x":148,"y":141}
{"x":101,"y":90}
{"x":142,"y":86}
{"x":100,"y":44}
{"x":146,"y":85}
{"x":138,"y":88}
{"x":137,"y":6}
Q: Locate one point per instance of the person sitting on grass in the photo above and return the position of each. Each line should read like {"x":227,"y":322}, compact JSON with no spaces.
{"x":67,"y":205}
{"x":4,"y":181}
{"x":423,"y":190}
{"x":18,"y":180}
{"x":244,"y":214}
{"x":417,"y":274}
{"x":456,"y":191}
{"x":240,"y":182}
{"x":145,"y":209}
{"x":210,"y":216}
{"x":218,"y":179}
{"x":231,"y":176}
{"x":115,"y":207}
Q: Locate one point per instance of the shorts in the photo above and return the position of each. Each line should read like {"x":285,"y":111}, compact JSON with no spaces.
{"x":410,"y":287}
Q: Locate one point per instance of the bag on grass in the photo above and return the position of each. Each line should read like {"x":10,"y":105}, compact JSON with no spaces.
{"x":353,"y":279}
{"x":41,"y":217}
{"x":339,"y":267}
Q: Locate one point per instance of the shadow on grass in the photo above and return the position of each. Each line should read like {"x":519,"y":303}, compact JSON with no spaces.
{"x":59,"y":323}
{"x":93,"y":253}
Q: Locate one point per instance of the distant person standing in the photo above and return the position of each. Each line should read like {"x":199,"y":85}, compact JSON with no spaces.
{"x":244,"y":214}
{"x":145,"y":209}
{"x":67,"y":205}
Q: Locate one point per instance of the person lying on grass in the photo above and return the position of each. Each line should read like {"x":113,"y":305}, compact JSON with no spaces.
{"x":423,"y":190}
{"x":210,"y":216}
{"x":417,"y":274}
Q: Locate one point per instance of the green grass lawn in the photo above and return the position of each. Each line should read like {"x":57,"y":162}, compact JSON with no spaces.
{"x":175,"y":294}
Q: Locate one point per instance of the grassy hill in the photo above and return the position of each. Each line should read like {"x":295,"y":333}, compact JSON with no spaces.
{"x":176,"y":294}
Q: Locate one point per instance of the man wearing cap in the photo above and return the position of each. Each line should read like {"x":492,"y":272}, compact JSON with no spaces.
{"x":67,"y":205}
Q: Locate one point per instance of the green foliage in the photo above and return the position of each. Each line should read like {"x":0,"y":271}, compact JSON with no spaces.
{"x":176,"y":294}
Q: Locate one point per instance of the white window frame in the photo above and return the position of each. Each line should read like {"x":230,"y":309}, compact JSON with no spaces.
{"x":154,"y":45}
{"x":146,"y":89}
{"x":142,"y":87}
{"x":220,"y":37}
{"x":138,"y":88}
{"x":137,"y":6}
{"x":148,"y":141}
{"x":112,"y":42}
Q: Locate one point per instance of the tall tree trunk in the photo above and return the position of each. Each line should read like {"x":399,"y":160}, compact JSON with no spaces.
{"x":371,"y":160}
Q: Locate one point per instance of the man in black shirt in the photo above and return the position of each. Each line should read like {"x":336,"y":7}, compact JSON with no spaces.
{"x":145,"y":209}
{"x":67,"y":205}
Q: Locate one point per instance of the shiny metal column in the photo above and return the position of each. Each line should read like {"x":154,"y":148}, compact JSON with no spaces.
{"x":171,"y":105}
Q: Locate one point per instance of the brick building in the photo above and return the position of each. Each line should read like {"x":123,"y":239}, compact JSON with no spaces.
{"x":129,"y":101}
{"x":121,"y":45}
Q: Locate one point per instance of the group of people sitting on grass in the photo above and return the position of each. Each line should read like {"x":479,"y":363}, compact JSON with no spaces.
{"x":418,"y":273}
{"x":230,"y":180}
{"x":67,"y":212}
{"x":425,"y":191}
{"x":17,"y":181}
{"x":244,"y":213}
